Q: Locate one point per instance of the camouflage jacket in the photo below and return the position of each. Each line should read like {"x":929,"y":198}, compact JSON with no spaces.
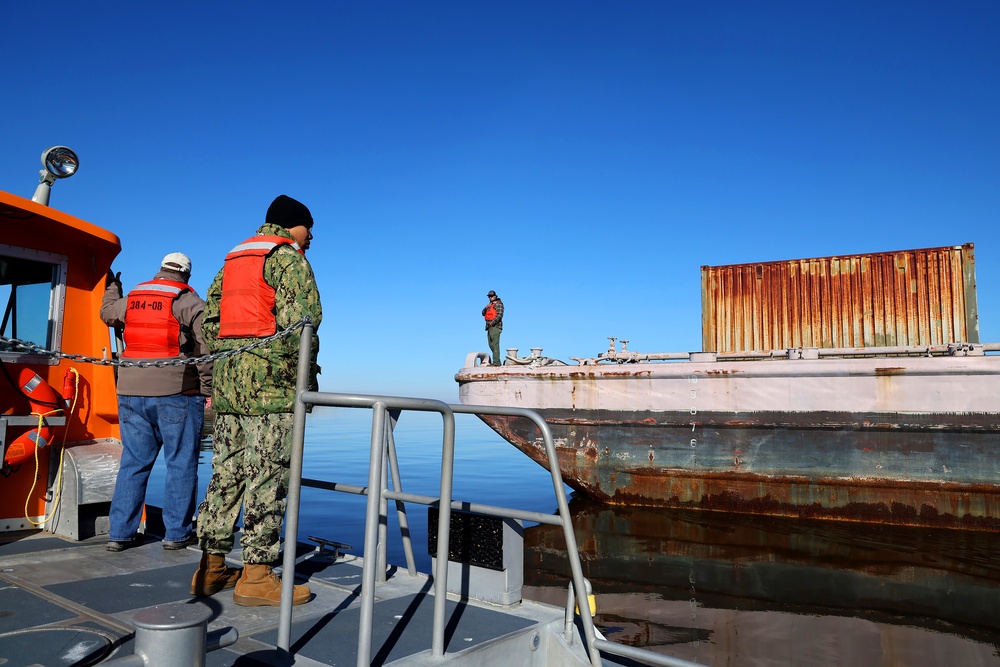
{"x":262,"y":381}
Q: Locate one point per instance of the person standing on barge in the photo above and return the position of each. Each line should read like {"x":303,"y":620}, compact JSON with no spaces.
{"x":158,"y":408}
{"x":493,"y":313}
{"x":265,"y":286}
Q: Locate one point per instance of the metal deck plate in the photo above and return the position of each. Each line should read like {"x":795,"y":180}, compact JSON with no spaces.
{"x":20,"y":609}
{"x":343,"y":575}
{"x":36,"y":544}
{"x":54,"y":646}
{"x":401,"y":627}
{"x":134,"y":590}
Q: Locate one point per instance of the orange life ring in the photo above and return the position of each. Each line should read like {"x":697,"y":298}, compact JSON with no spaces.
{"x":43,"y":399}
{"x":24,"y":445}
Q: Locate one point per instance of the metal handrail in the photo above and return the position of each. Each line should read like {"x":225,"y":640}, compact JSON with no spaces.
{"x":382,"y":447}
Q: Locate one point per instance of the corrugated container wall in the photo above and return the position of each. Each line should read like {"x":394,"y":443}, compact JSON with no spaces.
{"x":909,"y":297}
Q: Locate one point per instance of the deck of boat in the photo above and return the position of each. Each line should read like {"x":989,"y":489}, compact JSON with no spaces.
{"x":72,"y":603}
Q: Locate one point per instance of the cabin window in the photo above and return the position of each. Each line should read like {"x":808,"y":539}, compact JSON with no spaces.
{"x":32,"y":287}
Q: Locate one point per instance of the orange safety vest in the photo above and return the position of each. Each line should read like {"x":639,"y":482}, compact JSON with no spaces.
{"x":247,"y":306}
{"x":491,"y":313}
{"x":151,"y":330}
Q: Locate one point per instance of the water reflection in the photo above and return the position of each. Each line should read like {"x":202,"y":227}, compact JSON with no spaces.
{"x":741,"y":590}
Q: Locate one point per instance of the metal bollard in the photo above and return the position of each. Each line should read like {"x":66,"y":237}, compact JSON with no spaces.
{"x":174,"y":635}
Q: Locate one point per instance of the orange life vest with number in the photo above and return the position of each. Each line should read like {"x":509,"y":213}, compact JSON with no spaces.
{"x":247,"y":306}
{"x":151,"y":330}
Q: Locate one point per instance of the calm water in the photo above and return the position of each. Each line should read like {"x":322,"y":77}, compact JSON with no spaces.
{"x":712,"y":588}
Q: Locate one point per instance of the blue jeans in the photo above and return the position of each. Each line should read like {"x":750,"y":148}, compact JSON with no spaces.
{"x":147,"y":424}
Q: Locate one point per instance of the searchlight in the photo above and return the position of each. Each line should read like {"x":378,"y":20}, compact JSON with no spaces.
{"x":59,"y":162}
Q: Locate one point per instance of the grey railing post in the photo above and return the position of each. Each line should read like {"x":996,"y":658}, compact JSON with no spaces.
{"x":368,"y":567}
{"x":397,"y":485}
{"x":382,"y":556}
{"x":444,"y":531}
{"x":294,"y":489}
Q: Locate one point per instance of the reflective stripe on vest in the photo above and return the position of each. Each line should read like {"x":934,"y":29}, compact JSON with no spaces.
{"x":247,"y":306}
{"x":151,"y":329}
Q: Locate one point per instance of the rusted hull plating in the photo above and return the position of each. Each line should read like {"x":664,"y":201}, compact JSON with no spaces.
{"x":885,"y":476}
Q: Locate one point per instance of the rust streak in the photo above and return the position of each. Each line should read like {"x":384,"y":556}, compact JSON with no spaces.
{"x":637,"y":374}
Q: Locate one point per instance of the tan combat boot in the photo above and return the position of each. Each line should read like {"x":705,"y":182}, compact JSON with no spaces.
{"x":260,"y":587}
{"x":213,"y":575}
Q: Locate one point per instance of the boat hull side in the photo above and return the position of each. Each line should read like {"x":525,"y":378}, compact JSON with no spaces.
{"x":919,"y":474}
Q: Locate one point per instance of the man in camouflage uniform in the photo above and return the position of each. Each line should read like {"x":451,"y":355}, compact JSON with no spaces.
{"x":253,"y":398}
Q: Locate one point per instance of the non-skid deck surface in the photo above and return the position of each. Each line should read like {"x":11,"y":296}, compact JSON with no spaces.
{"x":401,"y":627}
{"x":133,"y":590}
{"x":20,"y":609}
{"x":64,"y":603}
{"x":57,"y":597}
{"x":62,"y":647}
{"x":34,"y":545}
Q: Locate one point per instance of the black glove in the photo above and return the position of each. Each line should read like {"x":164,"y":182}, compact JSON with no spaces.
{"x":114,"y":279}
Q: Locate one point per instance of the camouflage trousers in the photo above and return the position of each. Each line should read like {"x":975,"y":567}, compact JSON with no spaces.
{"x":250,"y":468}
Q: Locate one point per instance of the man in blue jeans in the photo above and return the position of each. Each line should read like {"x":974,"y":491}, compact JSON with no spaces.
{"x":158,"y":407}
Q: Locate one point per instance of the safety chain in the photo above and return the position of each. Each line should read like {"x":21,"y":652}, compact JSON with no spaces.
{"x":126,"y":363}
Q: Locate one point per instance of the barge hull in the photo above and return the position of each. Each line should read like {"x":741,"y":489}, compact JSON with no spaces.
{"x":925,"y":474}
{"x":904,"y":435}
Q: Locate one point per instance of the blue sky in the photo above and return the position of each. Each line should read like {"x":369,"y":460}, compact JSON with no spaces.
{"x":583,"y":159}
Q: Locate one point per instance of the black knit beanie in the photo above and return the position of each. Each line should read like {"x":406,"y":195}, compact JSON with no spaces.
{"x":288,"y":213}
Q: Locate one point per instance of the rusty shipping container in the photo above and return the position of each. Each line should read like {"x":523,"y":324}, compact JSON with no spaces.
{"x":886,"y":299}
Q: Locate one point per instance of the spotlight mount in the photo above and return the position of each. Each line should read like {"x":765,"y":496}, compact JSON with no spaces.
{"x":59,"y":162}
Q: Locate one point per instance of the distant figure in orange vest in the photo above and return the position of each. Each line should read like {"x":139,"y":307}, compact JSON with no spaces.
{"x":493,"y":313}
